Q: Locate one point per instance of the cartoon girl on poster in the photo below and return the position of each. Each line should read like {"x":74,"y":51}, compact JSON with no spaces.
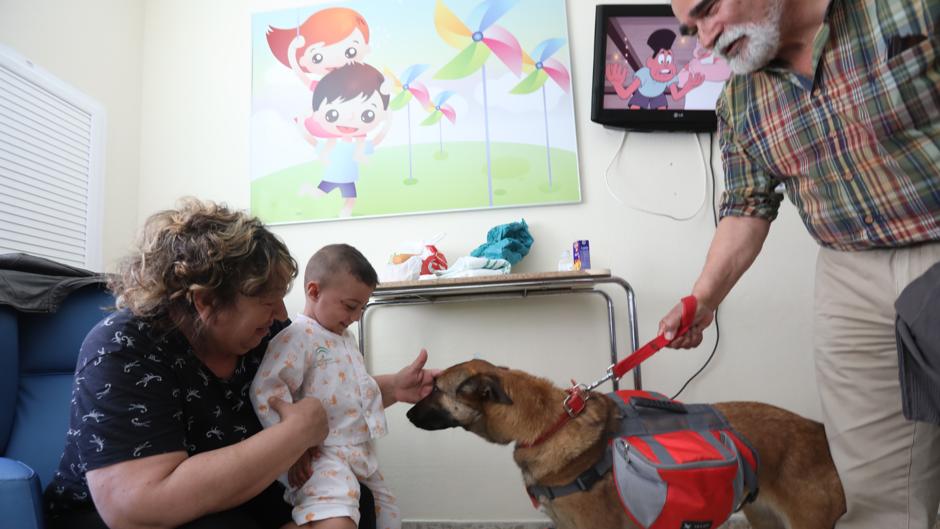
{"x":327,"y":40}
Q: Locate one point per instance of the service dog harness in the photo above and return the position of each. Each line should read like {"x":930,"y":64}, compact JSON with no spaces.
{"x":676,"y":466}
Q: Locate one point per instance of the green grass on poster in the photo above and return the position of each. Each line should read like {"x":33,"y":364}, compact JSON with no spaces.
{"x":450,"y":180}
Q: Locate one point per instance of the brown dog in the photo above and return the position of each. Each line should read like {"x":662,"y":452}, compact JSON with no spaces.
{"x":799,"y":486}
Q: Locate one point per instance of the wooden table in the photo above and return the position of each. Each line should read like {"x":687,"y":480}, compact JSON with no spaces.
{"x":505,"y":286}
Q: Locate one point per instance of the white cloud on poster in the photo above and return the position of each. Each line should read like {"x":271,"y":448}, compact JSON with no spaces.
{"x":276,"y":144}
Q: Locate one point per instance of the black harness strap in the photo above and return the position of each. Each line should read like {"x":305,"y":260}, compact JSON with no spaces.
{"x":582,"y":483}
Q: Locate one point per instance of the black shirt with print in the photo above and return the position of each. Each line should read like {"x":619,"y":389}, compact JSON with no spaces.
{"x":139,"y":393}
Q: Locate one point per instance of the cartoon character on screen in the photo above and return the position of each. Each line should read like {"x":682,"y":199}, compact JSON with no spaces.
{"x":327,"y":40}
{"x":716,"y":71}
{"x":349,"y":103}
{"x":649,"y":85}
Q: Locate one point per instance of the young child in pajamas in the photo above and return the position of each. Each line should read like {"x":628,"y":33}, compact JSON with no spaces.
{"x":316,"y":356}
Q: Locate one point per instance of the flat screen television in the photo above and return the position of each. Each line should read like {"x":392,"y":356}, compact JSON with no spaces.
{"x":647,"y":76}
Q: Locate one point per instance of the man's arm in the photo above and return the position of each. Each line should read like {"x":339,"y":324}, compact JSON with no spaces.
{"x":734,"y":247}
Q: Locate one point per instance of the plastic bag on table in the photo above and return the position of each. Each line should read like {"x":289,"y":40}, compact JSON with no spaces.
{"x":412,"y":260}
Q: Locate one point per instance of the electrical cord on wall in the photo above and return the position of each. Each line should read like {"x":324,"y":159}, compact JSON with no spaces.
{"x":711,"y":176}
{"x":708,"y":162}
{"x":616,"y":157}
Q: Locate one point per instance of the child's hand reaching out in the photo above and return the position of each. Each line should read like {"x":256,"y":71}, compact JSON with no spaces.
{"x":413,"y":382}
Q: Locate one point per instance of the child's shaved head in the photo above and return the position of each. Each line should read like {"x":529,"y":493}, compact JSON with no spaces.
{"x":335,"y":259}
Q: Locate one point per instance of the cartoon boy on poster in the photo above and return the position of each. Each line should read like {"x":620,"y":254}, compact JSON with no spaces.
{"x":348,"y":104}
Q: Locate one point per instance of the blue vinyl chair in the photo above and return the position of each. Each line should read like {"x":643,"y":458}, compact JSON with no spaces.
{"x":37,"y":362}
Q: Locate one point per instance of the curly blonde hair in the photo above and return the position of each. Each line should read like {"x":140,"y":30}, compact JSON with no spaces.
{"x":200,"y":247}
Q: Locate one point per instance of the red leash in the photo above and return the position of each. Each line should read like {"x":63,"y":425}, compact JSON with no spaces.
{"x":578,"y":394}
{"x":689,"y":305}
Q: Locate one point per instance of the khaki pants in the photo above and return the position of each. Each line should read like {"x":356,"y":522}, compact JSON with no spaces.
{"x":889,"y":466}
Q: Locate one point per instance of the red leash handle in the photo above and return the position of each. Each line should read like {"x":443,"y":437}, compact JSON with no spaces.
{"x":578,"y":394}
{"x":689,"y":306}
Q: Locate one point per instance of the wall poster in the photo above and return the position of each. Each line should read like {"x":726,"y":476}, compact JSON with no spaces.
{"x":386,"y":107}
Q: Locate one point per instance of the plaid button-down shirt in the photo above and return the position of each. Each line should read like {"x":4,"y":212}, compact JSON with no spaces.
{"x":857,"y":146}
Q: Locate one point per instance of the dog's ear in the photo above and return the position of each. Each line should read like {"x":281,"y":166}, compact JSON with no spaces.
{"x":485,"y":388}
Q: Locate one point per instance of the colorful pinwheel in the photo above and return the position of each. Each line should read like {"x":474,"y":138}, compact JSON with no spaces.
{"x":438,"y":110}
{"x":542,"y":69}
{"x":408,"y":88}
{"x":476,"y":47}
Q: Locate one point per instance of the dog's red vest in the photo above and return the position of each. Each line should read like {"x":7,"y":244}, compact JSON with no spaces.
{"x":676,"y":466}
{"x":679,"y":466}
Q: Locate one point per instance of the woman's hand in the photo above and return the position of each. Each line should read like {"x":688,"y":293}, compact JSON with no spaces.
{"x":308,"y":415}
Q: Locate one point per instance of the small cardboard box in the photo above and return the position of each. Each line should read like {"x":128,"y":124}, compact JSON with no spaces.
{"x":581,"y":252}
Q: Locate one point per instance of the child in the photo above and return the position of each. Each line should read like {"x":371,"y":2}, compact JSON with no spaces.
{"x":348,"y":104}
{"x":315,"y":356}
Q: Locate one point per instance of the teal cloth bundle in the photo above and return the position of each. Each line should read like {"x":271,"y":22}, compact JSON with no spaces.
{"x":506,"y":241}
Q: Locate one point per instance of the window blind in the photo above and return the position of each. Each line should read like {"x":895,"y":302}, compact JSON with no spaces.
{"x":51,"y":156}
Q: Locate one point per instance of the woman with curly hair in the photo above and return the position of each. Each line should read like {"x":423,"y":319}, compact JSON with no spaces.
{"x":162,"y":433}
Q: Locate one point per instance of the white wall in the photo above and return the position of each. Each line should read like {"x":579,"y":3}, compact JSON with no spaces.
{"x":95,"y":46}
{"x":193,"y":130}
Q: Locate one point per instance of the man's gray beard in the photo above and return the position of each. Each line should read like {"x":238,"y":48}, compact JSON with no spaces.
{"x":763,"y":41}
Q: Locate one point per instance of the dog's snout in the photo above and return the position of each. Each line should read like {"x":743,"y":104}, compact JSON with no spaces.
{"x":416,"y":415}
{"x":428,"y":416}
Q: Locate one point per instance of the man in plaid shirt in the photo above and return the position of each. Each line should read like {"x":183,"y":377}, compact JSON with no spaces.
{"x":839,"y":101}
